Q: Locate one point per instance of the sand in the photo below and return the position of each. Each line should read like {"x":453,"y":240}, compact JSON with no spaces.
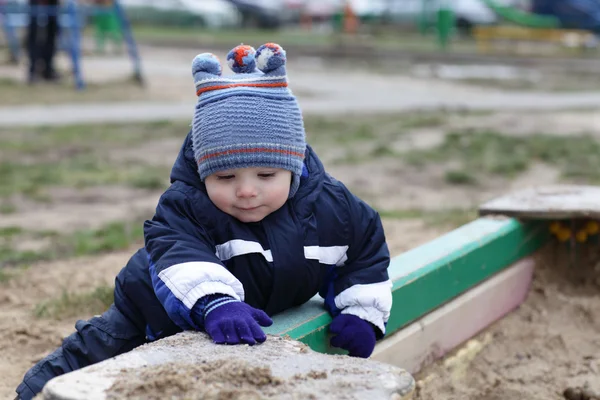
{"x":549,"y":348}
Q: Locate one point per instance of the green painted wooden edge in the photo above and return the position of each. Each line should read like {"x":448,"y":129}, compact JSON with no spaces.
{"x":430,"y":275}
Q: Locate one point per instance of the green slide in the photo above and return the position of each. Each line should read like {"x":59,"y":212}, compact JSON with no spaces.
{"x":523,"y":18}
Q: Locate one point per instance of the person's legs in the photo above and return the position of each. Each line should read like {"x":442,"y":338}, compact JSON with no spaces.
{"x":32,"y":41}
{"x":49,"y":47}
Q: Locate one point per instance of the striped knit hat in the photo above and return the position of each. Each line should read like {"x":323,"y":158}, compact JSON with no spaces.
{"x":249,"y":119}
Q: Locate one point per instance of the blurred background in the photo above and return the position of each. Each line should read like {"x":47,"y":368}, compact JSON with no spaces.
{"x":424,"y":108}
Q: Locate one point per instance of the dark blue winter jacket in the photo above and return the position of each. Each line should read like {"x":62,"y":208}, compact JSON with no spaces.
{"x":324,"y":240}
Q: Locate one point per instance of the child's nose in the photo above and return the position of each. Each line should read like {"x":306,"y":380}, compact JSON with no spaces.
{"x":246,"y":190}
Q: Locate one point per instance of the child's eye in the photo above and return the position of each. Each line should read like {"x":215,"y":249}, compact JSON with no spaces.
{"x":225,"y":177}
{"x":269,"y":175}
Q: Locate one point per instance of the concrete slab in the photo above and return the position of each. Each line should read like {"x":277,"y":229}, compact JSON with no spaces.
{"x":189,"y":365}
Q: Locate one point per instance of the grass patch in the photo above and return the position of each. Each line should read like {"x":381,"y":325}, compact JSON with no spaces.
{"x":115,"y":236}
{"x":79,"y":156}
{"x":228,"y":37}
{"x":16,"y":92}
{"x":78,"y":172}
{"x":71,"y":304}
{"x":460,"y":177}
{"x":451,"y":218}
{"x":401,"y":214}
{"x":548,"y":82}
{"x":10,"y":231}
{"x":424,"y":119}
{"x":507,"y":156}
{"x":71,"y":140}
{"x":154,"y":179}
{"x":365,"y":138}
{"x":352,"y":128}
{"x":9,"y":256}
{"x":4,"y":276}
{"x":7,"y":208}
{"x":340,"y":130}
{"x":8,"y":274}
{"x":111,"y":237}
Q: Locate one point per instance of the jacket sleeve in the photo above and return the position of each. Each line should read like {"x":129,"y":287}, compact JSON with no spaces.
{"x":359,"y":283}
{"x":183,"y":263}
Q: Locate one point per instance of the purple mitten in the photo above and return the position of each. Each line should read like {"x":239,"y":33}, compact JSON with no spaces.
{"x":353,"y":334}
{"x":231,"y":321}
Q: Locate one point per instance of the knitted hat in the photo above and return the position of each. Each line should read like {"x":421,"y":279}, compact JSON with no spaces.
{"x":249,"y":119}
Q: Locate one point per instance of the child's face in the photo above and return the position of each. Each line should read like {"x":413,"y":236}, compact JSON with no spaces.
{"x":249,"y":194}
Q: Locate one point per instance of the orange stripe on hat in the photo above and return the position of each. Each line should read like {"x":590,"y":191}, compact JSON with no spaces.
{"x":252,"y":150}
{"x":232,"y":85}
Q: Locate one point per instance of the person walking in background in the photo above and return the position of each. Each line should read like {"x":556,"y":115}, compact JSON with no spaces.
{"x":41,"y":39}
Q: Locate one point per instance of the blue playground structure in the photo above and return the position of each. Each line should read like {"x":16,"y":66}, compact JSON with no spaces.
{"x":572,"y":14}
{"x":71,"y":18}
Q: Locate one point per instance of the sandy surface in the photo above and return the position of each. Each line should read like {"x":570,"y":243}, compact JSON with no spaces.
{"x":549,"y":345}
{"x":231,"y":379}
{"x":25,"y":339}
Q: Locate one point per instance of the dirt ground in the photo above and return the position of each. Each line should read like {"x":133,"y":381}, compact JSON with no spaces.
{"x":25,"y":338}
{"x":549,"y":348}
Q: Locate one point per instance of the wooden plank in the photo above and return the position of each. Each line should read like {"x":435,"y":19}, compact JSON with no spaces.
{"x":439,"y":332}
{"x":547,"y":203}
{"x":428,"y":276}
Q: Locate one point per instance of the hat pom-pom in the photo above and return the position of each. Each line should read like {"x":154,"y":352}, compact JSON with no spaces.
{"x":269,"y":57}
{"x":207,"y":63}
{"x":241,"y":59}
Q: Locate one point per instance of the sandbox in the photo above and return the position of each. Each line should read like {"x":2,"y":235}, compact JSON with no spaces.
{"x":549,"y":348}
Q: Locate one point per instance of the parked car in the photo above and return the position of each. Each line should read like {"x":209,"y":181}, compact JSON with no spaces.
{"x":467,"y":12}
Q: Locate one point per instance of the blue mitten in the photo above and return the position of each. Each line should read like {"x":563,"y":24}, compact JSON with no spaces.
{"x":353,"y":334}
{"x":231,"y":321}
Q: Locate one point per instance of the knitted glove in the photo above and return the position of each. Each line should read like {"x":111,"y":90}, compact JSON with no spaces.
{"x":353,"y":334}
{"x":231,"y":321}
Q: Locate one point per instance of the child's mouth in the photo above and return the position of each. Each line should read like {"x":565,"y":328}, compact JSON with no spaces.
{"x":248,"y":208}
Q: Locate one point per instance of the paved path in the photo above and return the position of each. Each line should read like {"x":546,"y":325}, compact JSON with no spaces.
{"x":321,"y":90}
{"x":65,"y":114}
